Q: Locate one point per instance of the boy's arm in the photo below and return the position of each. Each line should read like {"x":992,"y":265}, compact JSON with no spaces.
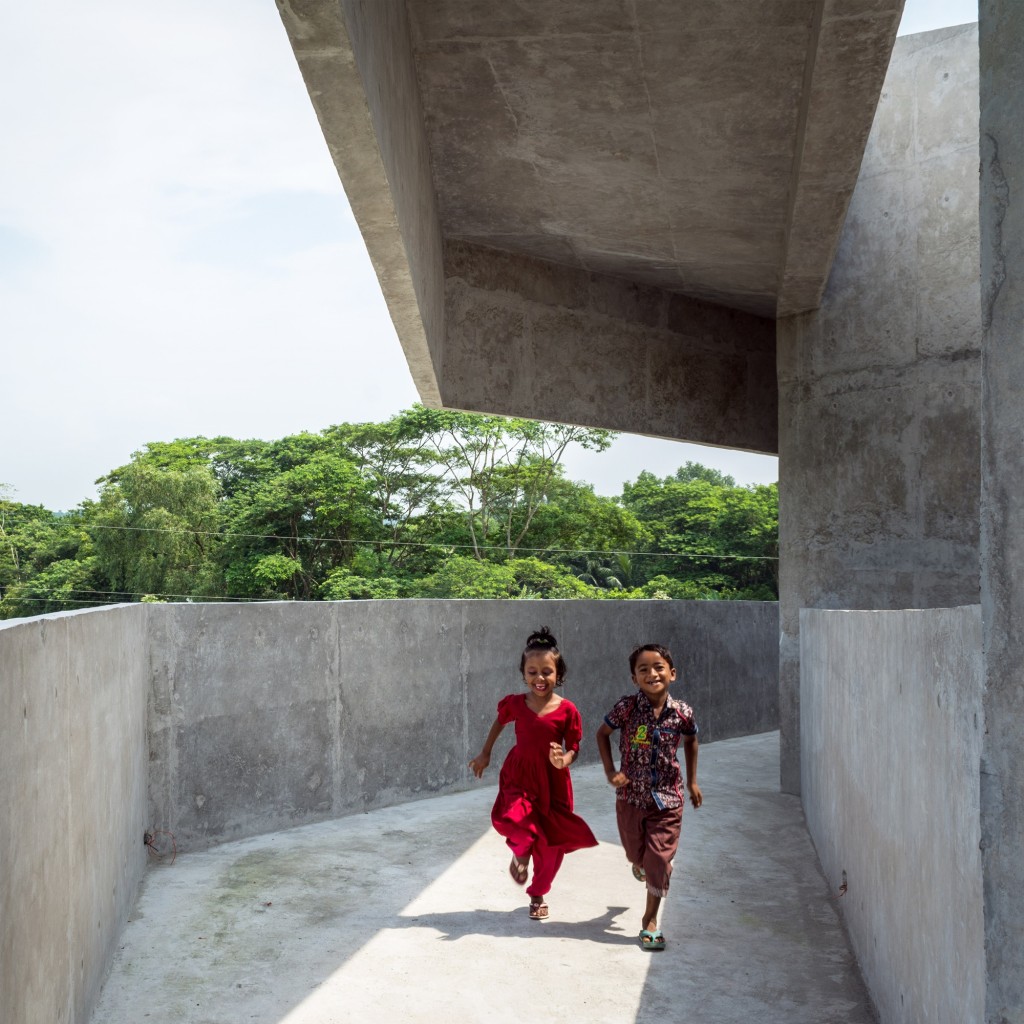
{"x":604,"y":748}
{"x":483,"y":759}
{"x":690,"y":746}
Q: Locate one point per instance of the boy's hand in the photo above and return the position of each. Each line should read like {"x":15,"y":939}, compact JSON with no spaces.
{"x":696,"y":796}
{"x":559,"y":757}
{"x":617,"y":779}
{"x":479,"y":763}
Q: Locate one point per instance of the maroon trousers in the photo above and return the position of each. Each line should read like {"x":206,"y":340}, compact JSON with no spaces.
{"x":650,"y":838}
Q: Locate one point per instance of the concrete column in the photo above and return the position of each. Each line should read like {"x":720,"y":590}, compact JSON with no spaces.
{"x":879,"y":389}
{"x":1001,"y":25}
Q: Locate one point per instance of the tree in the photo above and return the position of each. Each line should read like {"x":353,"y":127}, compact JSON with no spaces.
{"x":47,"y":562}
{"x":156,"y":531}
{"x":464,"y":577}
{"x":400,"y":467}
{"x":311,"y":505}
{"x":501,"y":469}
{"x":721,"y":537}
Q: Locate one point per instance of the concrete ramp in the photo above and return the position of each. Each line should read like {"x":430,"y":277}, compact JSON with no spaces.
{"x":407,"y":914}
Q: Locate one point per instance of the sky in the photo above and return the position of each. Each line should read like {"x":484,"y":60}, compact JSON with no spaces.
{"x":177,"y":256}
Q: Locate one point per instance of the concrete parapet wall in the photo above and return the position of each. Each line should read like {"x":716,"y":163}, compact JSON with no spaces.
{"x":72,"y":805}
{"x":267,"y":716}
{"x":892,"y":726}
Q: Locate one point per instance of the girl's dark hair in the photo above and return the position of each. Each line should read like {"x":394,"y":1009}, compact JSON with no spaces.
{"x":656,"y":649}
{"x":544,"y":640}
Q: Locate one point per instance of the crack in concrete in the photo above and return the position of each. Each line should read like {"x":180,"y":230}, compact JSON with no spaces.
{"x":995,"y":212}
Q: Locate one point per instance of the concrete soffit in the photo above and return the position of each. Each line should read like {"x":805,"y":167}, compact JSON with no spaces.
{"x":693,"y":153}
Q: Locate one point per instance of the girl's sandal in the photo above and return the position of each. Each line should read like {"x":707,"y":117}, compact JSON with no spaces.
{"x":639,"y":874}
{"x":538,"y":910}
{"x":519,"y":871}
{"x":652,"y":941}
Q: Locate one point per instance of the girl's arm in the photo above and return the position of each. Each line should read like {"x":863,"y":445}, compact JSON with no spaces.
{"x":690,"y":746}
{"x":560,"y":757}
{"x":483,"y":759}
{"x":604,"y":748}
{"x":563,"y":754}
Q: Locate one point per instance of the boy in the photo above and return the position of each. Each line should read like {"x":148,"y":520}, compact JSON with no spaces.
{"x":649,"y":804}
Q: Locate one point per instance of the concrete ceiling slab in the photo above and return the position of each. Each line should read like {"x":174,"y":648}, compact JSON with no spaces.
{"x":705,"y":149}
{"x":682,"y":146}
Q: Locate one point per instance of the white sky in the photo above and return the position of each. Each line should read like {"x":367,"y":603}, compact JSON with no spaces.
{"x":177,"y":256}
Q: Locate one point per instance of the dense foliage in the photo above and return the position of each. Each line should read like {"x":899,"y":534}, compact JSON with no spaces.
{"x":428,"y":504}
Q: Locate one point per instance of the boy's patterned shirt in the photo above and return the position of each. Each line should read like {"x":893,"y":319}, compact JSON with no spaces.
{"x":647,"y":746}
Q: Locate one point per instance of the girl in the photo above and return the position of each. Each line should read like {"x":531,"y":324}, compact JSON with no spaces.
{"x":533,"y":810}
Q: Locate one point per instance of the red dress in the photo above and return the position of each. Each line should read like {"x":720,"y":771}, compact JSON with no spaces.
{"x":534,"y":805}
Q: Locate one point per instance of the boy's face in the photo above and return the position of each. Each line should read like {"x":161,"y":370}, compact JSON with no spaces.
{"x":652,"y":673}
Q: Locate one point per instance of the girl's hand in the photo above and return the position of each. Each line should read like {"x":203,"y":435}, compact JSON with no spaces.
{"x":696,"y":796}
{"x":479,"y":763}
{"x":617,"y":779}
{"x":558,"y":757}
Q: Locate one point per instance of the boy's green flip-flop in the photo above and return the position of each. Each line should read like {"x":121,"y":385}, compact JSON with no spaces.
{"x":652,"y":941}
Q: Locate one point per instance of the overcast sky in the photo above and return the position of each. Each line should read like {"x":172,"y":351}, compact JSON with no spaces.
{"x":177,"y":256}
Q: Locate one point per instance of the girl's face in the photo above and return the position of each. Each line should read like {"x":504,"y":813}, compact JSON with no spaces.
{"x":540,"y":673}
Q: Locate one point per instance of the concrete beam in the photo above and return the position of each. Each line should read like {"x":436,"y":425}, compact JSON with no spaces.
{"x":356,"y":60}
{"x":531,"y":338}
{"x":847,"y":59}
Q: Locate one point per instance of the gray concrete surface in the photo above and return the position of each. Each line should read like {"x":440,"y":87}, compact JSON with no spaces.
{"x":267,"y":716}
{"x":526,"y":334}
{"x":879,"y":390}
{"x":72,"y":805}
{"x":892,"y":730}
{"x":242,"y":719}
{"x":706,"y":151}
{"x":1002,"y":270}
{"x":407,"y":914}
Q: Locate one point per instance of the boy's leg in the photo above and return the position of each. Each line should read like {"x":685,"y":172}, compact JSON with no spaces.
{"x":650,"y":921}
{"x":662,"y":840}
{"x":632,"y":831}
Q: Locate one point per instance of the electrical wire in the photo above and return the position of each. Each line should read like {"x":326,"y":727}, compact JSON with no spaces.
{"x":309,"y":539}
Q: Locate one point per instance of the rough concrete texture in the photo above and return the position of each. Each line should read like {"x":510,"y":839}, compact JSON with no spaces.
{"x":706,"y":150}
{"x":72,"y":805}
{"x":1002,"y":271}
{"x":879,"y":391}
{"x":356,"y":60}
{"x":527,"y":337}
{"x":408,"y":914}
{"x":672,"y":145}
{"x":892,"y":728}
{"x":267,"y":716}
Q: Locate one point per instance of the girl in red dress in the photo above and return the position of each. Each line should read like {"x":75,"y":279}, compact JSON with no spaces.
{"x":533,"y":810}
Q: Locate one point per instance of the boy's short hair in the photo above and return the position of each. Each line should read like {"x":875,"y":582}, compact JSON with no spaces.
{"x":656,"y":649}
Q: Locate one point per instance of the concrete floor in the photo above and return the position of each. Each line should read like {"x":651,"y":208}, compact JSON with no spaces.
{"x":408,"y":915}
